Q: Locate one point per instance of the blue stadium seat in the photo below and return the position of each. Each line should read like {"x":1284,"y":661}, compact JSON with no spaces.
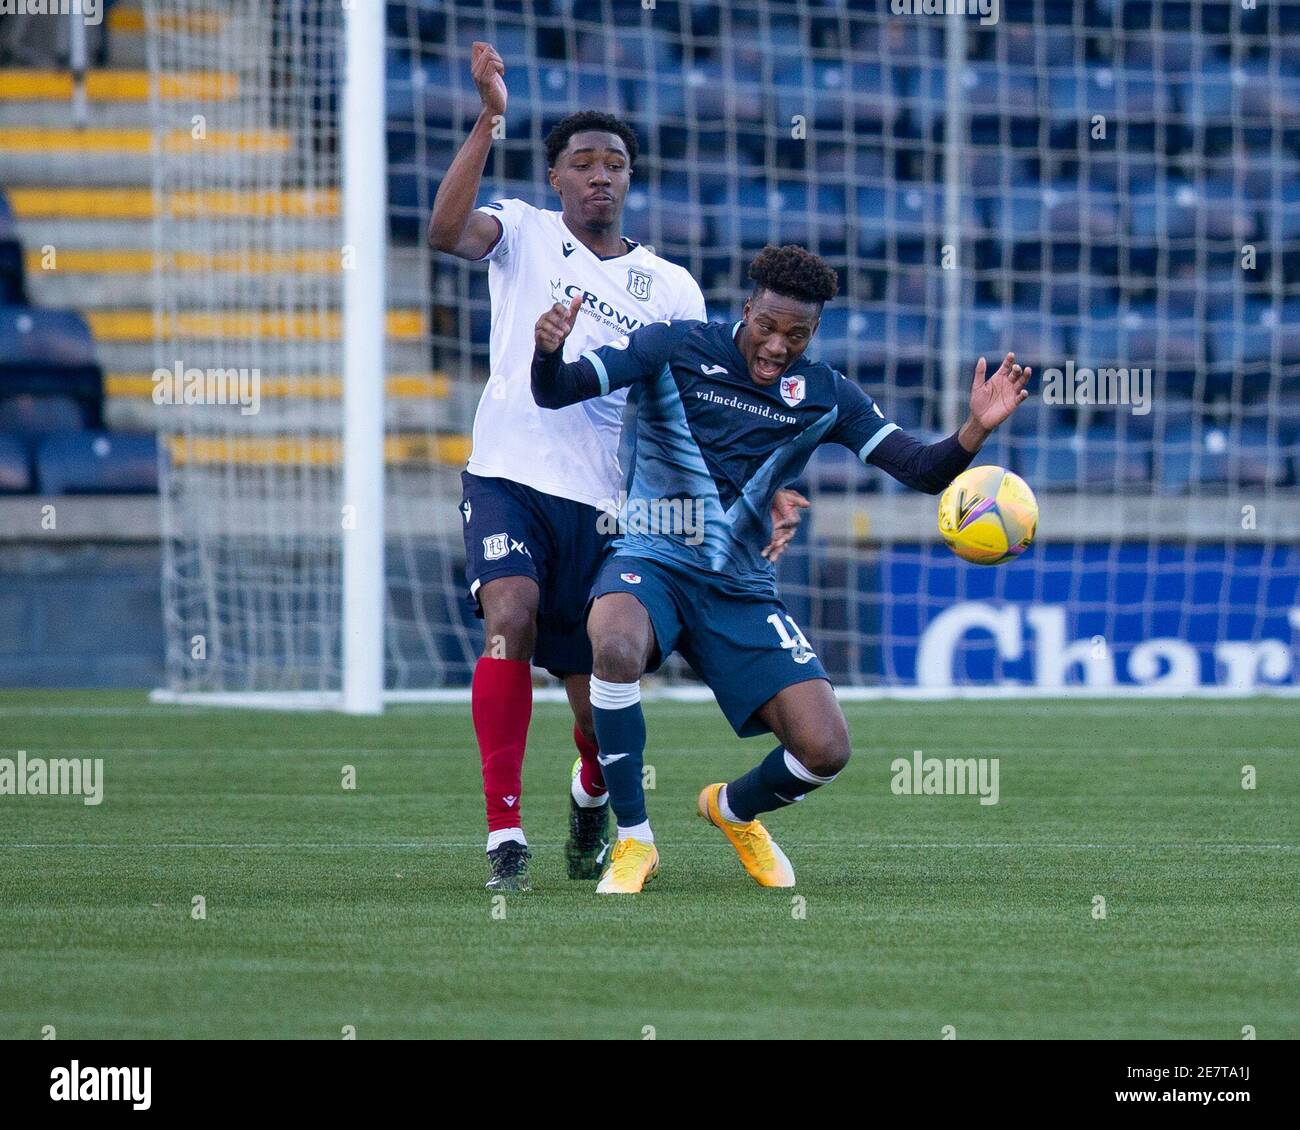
{"x":665,"y":214}
{"x":1283,"y":213}
{"x":1170,"y":53}
{"x":15,"y":465}
{"x":50,"y":354}
{"x":849,"y":338}
{"x":906,"y":215}
{"x":561,"y":86}
{"x":96,"y":462}
{"x":1118,"y":93}
{"x":1048,"y":461}
{"x":824,"y":93}
{"x":1256,"y":332}
{"x":990,"y":332}
{"x":1029,"y":47}
{"x":1114,"y":456}
{"x":1191,"y":455}
{"x":35,"y":416}
{"x":1052,"y":211}
{"x":12,"y":291}
{"x":988,"y":90}
{"x":1231,"y":94}
{"x":782,"y":213}
{"x":717,"y":101}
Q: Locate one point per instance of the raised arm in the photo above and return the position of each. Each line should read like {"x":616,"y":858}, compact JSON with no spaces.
{"x":454,"y":226}
{"x":930,"y":467}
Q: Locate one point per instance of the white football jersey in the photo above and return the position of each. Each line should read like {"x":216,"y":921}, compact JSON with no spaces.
{"x":570,"y":452}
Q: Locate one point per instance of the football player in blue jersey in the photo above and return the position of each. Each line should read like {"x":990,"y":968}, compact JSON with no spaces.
{"x":720,"y":417}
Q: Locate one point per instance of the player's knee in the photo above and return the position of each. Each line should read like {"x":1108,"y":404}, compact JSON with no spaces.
{"x":826,"y":750}
{"x":617,"y":657}
{"x":511,"y":631}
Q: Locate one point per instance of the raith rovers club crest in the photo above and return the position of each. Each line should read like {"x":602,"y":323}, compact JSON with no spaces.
{"x":792,"y":390}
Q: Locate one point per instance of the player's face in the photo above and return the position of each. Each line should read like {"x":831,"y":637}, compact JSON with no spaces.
{"x":592,"y":175}
{"x":777,"y":331}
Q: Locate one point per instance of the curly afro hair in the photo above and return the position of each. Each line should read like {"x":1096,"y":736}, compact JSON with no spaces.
{"x":794,"y":272}
{"x":585,"y":120}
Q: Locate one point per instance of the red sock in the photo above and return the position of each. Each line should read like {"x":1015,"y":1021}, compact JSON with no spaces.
{"x":502,"y":706}
{"x":590,"y":777}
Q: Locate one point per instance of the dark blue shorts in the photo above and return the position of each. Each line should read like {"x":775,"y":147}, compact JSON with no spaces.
{"x":512,"y":530}
{"x":743,"y":644}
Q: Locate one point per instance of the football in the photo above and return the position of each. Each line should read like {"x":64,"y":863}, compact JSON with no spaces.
{"x":988,"y":515}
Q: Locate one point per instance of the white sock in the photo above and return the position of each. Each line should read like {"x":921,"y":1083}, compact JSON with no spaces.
{"x":583,"y":798}
{"x":614,"y":696}
{"x":637,"y":832}
{"x":501,"y":835}
{"x":725,"y":808}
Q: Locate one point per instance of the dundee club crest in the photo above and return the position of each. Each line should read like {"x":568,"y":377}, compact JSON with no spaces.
{"x":638,"y":283}
{"x":792,"y":390}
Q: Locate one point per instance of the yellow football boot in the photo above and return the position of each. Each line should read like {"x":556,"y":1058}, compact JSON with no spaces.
{"x":632,"y":864}
{"x":765,"y":862}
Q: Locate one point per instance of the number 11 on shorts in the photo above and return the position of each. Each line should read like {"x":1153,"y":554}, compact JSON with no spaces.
{"x":800,"y":649}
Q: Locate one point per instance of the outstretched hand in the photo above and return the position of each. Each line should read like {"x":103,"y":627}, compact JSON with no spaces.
{"x":555,"y":325}
{"x":993,"y":400}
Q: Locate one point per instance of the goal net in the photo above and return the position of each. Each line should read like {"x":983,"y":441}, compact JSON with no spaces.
{"x":1110,"y":189}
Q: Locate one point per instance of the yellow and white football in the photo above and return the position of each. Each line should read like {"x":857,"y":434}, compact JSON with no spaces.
{"x":988,"y":515}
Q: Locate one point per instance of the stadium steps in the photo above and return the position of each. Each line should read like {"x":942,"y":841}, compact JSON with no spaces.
{"x":95,"y":277}
{"x":123,"y":155}
{"x":315,"y":451}
{"x":303,"y":404}
{"x":114,"y":99}
{"x":85,"y":210}
{"x":126,"y":27}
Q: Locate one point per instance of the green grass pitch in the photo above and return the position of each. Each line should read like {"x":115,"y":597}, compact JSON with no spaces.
{"x":328,"y":908}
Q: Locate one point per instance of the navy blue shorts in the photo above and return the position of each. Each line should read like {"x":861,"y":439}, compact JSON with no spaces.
{"x":512,"y":530}
{"x":743,"y":644}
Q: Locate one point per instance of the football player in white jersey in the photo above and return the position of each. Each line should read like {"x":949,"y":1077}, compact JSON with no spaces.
{"x":541,"y":487}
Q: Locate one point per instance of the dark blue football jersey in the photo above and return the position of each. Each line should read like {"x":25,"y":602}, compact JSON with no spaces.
{"x":705,"y":449}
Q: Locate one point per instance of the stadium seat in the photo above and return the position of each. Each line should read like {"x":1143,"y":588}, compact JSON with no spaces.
{"x":35,"y":416}
{"x":872,"y":336}
{"x":15,"y":465}
{"x":1192,"y":455}
{"x":783,"y":213}
{"x":50,"y":354}
{"x":666,"y":215}
{"x":990,"y":332}
{"x":96,"y":462}
{"x":12,"y":292}
{"x":911,"y":214}
{"x":1049,"y":460}
{"x":1120,"y":94}
{"x":1256,"y":332}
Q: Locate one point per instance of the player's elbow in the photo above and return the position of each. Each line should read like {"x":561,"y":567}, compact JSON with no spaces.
{"x":440,"y":237}
{"x":550,"y":400}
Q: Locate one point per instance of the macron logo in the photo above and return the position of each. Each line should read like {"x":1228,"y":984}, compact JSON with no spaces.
{"x":610,"y":758}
